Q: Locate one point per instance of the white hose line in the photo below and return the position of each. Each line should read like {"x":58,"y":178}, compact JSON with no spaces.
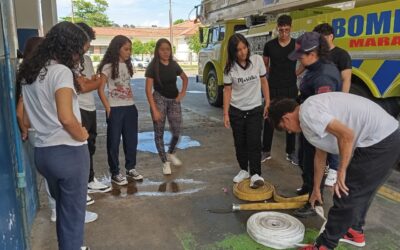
{"x":276,"y":230}
{"x":320,"y":212}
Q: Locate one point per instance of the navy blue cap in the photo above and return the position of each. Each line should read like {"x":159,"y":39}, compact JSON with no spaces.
{"x":305,"y":43}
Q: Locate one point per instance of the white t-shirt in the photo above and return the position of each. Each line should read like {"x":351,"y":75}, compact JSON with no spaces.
{"x":119,"y":89}
{"x":86,"y":100}
{"x":369,"y":122}
{"x":40,"y":105}
{"x":246,"y":84}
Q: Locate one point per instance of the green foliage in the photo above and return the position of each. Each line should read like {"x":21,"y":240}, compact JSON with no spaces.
{"x":139,"y":48}
{"x":96,"y":58}
{"x":92,"y":13}
{"x":178,"y":21}
{"x":194,"y":43}
{"x":149,"y":47}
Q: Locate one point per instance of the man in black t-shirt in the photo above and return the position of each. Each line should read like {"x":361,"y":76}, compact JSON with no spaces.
{"x":282,"y":82}
{"x":338,"y":56}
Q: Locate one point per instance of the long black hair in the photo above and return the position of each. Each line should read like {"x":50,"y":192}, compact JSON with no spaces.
{"x":112,"y":56}
{"x":155,"y":62}
{"x":233,"y":43}
{"x":62,"y":43}
{"x":322,"y":50}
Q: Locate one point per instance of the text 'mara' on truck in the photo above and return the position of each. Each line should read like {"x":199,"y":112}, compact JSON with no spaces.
{"x":369,"y":31}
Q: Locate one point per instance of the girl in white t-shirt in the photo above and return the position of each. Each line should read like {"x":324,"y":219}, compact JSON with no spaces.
{"x":121,"y":114}
{"x":244,"y":80}
{"x":51,"y":107}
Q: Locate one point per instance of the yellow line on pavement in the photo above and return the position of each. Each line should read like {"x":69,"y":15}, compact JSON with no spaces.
{"x":389,"y":193}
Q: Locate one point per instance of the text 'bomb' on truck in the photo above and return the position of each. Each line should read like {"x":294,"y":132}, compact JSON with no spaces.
{"x":369,"y":31}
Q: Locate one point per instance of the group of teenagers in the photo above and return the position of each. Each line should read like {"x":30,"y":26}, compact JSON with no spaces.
{"x":357,"y":138}
{"x":56,"y":82}
{"x":57,"y":76}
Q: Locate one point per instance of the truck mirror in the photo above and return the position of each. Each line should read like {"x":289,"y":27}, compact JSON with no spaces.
{"x":201,"y":35}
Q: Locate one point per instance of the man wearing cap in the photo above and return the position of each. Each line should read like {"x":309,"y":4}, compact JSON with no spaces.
{"x":367,"y":139}
{"x":321,"y":77}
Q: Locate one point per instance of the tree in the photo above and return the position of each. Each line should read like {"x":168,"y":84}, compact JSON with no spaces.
{"x":194,"y":43}
{"x":149,"y":47}
{"x":90,"y":12}
{"x":178,"y":21}
{"x":137,"y":47}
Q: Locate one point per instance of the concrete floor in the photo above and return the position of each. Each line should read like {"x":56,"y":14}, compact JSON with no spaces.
{"x":171,"y":212}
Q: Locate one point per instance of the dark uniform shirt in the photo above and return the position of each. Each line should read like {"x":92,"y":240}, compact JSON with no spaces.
{"x":320,"y":77}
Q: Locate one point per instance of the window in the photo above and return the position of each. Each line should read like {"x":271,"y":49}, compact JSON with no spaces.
{"x":215,"y":35}
{"x":221,"y":33}
{"x":239,"y":27}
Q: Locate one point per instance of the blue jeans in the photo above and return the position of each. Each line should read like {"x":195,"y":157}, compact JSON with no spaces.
{"x":123,"y":121}
{"x":333,"y":161}
{"x":66,"y":169}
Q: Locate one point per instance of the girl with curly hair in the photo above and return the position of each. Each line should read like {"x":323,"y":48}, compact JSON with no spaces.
{"x":121,"y":113}
{"x":51,"y":106}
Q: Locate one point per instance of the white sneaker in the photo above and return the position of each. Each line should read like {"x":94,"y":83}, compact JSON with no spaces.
{"x":89,"y":200}
{"x":53,"y":216}
{"x":96,"y":186}
{"x":331,"y":178}
{"x":256,"y":181}
{"x":174,"y":160}
{"x":85,"y":248}
{"x":89,"y":216}
{"x":241,"y":176}
{"x":166,"y":169}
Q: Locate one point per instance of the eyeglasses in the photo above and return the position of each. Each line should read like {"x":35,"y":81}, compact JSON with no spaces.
{"x":284,"y":30}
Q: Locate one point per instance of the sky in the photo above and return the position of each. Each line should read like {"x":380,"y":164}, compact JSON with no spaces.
{"x":140,"y":12}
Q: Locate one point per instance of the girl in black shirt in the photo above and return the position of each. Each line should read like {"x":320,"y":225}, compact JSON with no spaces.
{"x":165,"y":100}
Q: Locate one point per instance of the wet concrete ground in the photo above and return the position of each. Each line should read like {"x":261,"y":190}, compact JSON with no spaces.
{"x":171,"y":212}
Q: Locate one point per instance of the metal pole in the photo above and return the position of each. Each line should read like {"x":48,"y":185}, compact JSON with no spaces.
{"x":171,"y":35}
{"x":72,"y":11}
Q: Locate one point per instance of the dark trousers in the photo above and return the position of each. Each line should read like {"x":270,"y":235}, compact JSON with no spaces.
{"x":170,"y":109}
{"x":246,"y":128}
{"x":333,"y":161}
{"x":268,"y":133}
{"x":368,"y":170}
{"x":89,"y":122}
{"x":123,"y":121}
{"x":306,"y":160}
{"x":66,"y":169}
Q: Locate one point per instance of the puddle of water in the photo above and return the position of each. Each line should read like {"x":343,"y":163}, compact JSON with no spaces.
{"x":156,"y":188}
{"x":146,"y":142}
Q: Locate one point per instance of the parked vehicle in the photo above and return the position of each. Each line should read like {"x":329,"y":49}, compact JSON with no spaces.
{"x":139,"y":64}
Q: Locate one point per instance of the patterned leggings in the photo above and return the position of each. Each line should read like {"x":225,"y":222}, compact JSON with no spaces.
{"x":171,"y":109}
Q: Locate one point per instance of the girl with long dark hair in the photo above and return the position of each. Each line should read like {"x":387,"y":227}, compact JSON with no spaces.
{"x":51,"y":107}
{"x":244,"y":81}
{"x":165,"y":100}
{"x":122,"y":116}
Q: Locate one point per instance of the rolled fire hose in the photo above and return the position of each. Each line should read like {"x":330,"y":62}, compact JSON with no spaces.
{"x":276,"y":230}
{"x":243,"y":191}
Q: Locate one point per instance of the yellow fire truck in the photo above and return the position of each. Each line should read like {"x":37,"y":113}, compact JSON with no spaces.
{"x":368,"y":30}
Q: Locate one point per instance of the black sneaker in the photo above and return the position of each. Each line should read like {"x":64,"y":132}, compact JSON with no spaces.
{"x":292,"y":157}
{"x":304,"y":212}
{"x":265,"y":156}
{"x":302,"y":191}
